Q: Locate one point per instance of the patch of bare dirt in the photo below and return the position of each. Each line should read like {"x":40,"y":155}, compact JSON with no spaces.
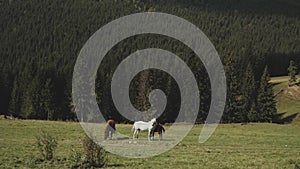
{"x":293,"y":91}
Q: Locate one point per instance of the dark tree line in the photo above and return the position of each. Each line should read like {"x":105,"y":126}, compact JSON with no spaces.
{"x":40,"y":41}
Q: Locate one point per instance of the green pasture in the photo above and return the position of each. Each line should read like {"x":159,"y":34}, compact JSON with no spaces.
{"x":231,"y":146}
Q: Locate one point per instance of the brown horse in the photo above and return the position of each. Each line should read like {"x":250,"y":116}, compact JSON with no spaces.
{"x":110,"y":129}
{"x":159,"y":129}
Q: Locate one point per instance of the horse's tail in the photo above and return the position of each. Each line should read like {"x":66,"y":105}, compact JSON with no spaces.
{"x":132,"y":128}
{"x":162,"y":129}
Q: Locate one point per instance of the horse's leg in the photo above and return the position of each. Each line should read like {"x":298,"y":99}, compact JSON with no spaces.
{"x":105,"y":136}
{"x":113,"y":130}
{"x":160,"y":136}
{"x":114,"y":133}
{"x":134,"y":133}
{"x":105,"y":133}
{"x":149,"y":135}
{"x":138,"y":132}
{"x":152,"y":135}
{"x":110,"y":134}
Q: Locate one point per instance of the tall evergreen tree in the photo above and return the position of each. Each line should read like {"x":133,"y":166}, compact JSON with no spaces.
{"x":266,"y":100}
{"x":292,"y":73}
{"x":143,"y":91}
{"x":48,"y":99}
{"x":248,"y":93}
{"x":1,"y":95}
{"x":27,"y":106}
{"x":253,"y":115}
{"x":5,"y":84}
{"x":15,"y":101}
{"x":232,"y":107}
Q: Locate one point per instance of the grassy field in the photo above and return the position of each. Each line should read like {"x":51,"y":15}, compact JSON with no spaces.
{"x":231,"y":146}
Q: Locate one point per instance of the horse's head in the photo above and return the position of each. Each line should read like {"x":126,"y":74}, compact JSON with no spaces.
{"x":153,"y":120}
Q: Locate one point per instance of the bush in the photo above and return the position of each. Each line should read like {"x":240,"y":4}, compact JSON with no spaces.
{"x":46,"y":145}
{"x":93,"y":156}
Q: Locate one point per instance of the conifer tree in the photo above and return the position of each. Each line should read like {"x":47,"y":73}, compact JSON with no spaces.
{"x":253,"y":115}
{"x":27,"y":107}
{"x":1,"y":96}
{"x":292,"y":73}
{"x":5,"y":84}
{"x":248,"y":93}
{"x":142,"y":98}
{"x":48,"y":99}
{"x":232,"y":108}
{"x":266,"y":100}
{"x":15,"y":101}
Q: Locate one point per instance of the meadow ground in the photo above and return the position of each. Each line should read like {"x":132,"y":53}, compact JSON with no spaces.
{"x":231,"y":146}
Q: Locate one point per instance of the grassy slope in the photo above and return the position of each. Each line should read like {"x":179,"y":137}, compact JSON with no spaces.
{"x":231,"y":146}
{"x":288,"y":101}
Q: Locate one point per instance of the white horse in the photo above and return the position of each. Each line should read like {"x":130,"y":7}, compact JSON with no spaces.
{"x":141,"y":125}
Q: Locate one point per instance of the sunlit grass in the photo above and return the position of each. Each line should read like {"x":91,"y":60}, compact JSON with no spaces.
{"x":288,"y":101}
{"x":231,"y":146}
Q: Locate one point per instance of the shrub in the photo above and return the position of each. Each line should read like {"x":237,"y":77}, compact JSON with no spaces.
{"x":46,"y":144}
{"x":93,"y":155}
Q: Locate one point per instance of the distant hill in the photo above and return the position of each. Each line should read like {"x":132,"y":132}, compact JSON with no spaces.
{"x":288,"y":99}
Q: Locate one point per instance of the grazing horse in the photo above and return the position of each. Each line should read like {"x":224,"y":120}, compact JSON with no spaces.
{"x":159,"y":129}
{"x":110,"y":129}
{"x":141,"y":125}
